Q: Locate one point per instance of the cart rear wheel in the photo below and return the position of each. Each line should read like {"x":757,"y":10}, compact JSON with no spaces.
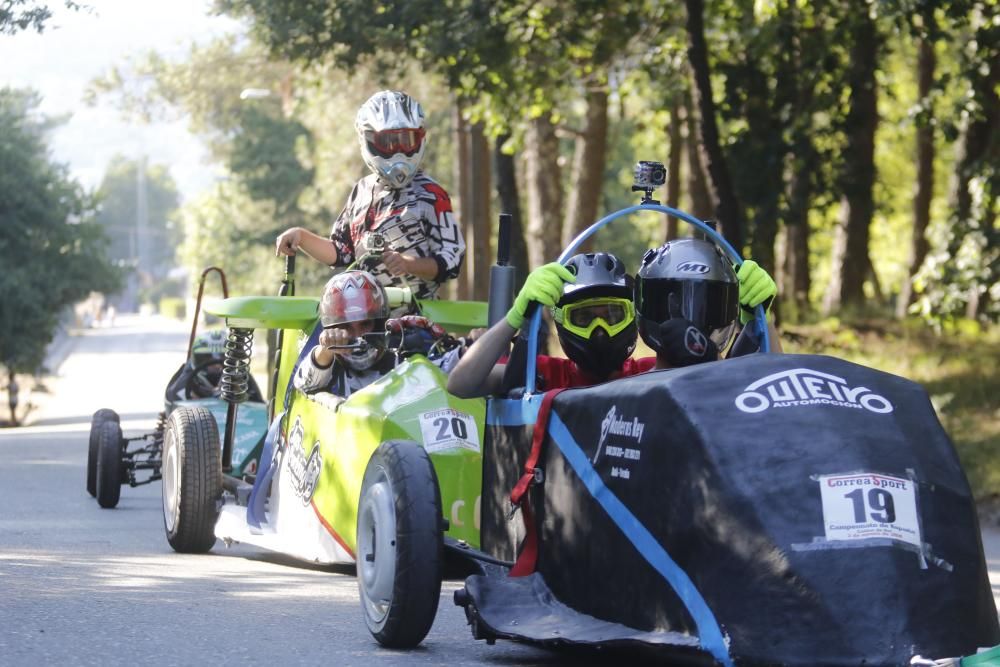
{"x":400,"y":544}
{"x":101,"y":416}
{"x":110,"y":447}
{"x":192,"y":479}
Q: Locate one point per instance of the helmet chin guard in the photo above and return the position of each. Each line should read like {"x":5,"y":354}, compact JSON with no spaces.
{"x":362,"y":360}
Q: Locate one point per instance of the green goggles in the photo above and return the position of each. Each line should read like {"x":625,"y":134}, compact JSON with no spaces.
{"x":581,"y":318}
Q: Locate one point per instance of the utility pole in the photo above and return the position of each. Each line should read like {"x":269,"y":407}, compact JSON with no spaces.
{"x":142,"y":214}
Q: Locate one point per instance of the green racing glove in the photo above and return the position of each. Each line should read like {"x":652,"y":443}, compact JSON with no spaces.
{"x":544,"y":285}
{"x":756,"y":287}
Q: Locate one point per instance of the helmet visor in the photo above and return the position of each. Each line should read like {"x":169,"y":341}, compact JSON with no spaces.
{"x":390,"y":142}
{"x":583,"y":317}
{"x":708,"y":304}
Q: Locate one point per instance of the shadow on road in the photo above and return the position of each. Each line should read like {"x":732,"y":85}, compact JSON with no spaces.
{"x":84,"y":420}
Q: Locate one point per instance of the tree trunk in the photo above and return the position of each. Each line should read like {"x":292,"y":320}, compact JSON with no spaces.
{"x":697,"y":181}
{"x":971,"y":212}
{"x":544,"y":191}
{"x":506,"y":179}
{"x":924,"y":189}
{"x":726,"y":206}
{"x":480,"y":225}
{"x":673,"y":170}
{"x":588,"y":168}
{"x":850,"y":258}
{"x":462,"y":206}
{"x":800,"y":163}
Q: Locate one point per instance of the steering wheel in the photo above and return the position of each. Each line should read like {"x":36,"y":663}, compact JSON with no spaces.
{"x":198,"y":384}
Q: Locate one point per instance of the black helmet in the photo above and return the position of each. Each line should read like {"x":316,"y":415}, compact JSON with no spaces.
{"x":687,"y":278}
{"x":595,"y":318}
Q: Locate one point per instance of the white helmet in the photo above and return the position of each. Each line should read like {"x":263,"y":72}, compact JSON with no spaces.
{"x":390,"y":129}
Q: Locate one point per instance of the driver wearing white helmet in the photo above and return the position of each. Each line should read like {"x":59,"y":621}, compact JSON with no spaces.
{"x":397,"y":205}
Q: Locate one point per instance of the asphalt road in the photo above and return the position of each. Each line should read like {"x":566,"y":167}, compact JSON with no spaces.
{"x":82,"y":585}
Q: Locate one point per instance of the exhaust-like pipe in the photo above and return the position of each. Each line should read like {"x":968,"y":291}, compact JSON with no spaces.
{"x":502,"y":274}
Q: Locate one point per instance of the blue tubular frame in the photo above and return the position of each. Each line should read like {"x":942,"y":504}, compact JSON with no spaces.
{"x":536,"y":317}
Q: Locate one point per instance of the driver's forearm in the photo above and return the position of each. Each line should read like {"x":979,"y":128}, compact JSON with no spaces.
{"x":425,"y":268}
{"x":471,"y":377}
{"x":318,"y":247}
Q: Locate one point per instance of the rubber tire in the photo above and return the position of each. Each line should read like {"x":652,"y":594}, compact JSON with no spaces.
{"x":192,"y":479}
{"x":110,"y":447}
{"x":102,"y":415}
{"x":403,"y":470}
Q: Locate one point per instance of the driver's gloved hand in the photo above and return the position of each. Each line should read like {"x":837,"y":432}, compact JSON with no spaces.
{"x":544,"y":285}
{"x":413,"y":334}
{"x":756,"y":287}
{"x":684,"y":344}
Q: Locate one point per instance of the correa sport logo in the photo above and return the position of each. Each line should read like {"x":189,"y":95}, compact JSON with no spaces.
{"x":614,"y":425}
{"x":692,"y":267}
{"x":802,"y":386}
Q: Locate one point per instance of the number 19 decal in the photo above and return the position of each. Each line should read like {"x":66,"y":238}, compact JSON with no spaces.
{"x":449,"y":429}
{"x":860,"y":506}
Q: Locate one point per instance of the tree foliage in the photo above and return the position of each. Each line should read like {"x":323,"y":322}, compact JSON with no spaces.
{"x":52,"y":252}
{"x":17,"y":15}
{"x":117,"y":213}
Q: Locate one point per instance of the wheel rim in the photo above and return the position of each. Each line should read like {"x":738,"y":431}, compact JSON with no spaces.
{"x":170,"y":471}
{"x":377,"y":548}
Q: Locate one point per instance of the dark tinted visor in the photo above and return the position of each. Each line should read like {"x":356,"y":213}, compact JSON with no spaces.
{"x":708,"y":304}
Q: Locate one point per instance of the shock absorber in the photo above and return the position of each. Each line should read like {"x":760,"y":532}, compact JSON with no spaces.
{"x":236,"y":366}
{"x":235,"y":385}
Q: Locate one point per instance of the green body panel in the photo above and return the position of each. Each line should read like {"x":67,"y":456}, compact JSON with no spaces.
{"x":409,"y":403}
{"x":300,"y":312}
{"x":251,"y":427}
{"x":265,"y":312}
{"x":456,"y":316}
{"x":402,"y":405}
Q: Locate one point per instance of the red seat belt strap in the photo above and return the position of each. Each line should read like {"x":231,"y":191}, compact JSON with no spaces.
{"x":529,"y":551}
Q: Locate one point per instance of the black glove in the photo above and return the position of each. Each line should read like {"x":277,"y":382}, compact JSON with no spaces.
{"x":684,"y":344}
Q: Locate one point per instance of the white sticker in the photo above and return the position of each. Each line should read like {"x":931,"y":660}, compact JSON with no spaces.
{"x":861,"y":506}
{"x":449,"y":429}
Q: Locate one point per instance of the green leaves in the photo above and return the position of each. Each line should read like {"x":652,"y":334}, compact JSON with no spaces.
{"x":52,"y":252}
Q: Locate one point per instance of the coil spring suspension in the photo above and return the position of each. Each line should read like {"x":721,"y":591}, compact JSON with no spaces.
{"x":236,"y":366}
{"x":161,"y":425}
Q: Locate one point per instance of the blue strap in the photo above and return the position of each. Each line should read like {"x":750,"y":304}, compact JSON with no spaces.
{"x":709,"y":632}
{"x":513,"y":411}
{"x":256,"y":515}
{"x":265,"y":471}
{"x":306,"y":349}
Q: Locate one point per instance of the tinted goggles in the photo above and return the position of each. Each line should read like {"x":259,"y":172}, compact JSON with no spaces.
{"x":389,"y":142}
{"x":613,"y":314}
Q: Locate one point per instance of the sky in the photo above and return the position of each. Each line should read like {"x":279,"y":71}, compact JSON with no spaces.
{"x":78,"y":46}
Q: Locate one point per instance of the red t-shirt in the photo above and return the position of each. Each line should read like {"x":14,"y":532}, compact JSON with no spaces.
{"x":558,"y":372}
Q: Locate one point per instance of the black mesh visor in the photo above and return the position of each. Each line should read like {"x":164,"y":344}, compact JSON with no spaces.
{"x":708,"y":304}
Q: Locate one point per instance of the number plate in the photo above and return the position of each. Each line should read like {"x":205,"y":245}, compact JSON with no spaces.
{"x":861,"y":506}
{"x":449,"y":429}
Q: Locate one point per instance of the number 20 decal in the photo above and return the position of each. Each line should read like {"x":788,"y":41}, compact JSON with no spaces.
{"x":451,"y":428}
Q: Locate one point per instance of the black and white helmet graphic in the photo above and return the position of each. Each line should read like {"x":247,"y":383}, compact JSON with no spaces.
{"x":690,"y":279}
{"x":390,"y":128}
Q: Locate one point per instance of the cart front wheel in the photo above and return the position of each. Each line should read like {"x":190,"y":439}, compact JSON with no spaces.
{"x":400,"y":544}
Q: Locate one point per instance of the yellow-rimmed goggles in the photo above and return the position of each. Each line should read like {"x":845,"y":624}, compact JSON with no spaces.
{"x":613,"y":314}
